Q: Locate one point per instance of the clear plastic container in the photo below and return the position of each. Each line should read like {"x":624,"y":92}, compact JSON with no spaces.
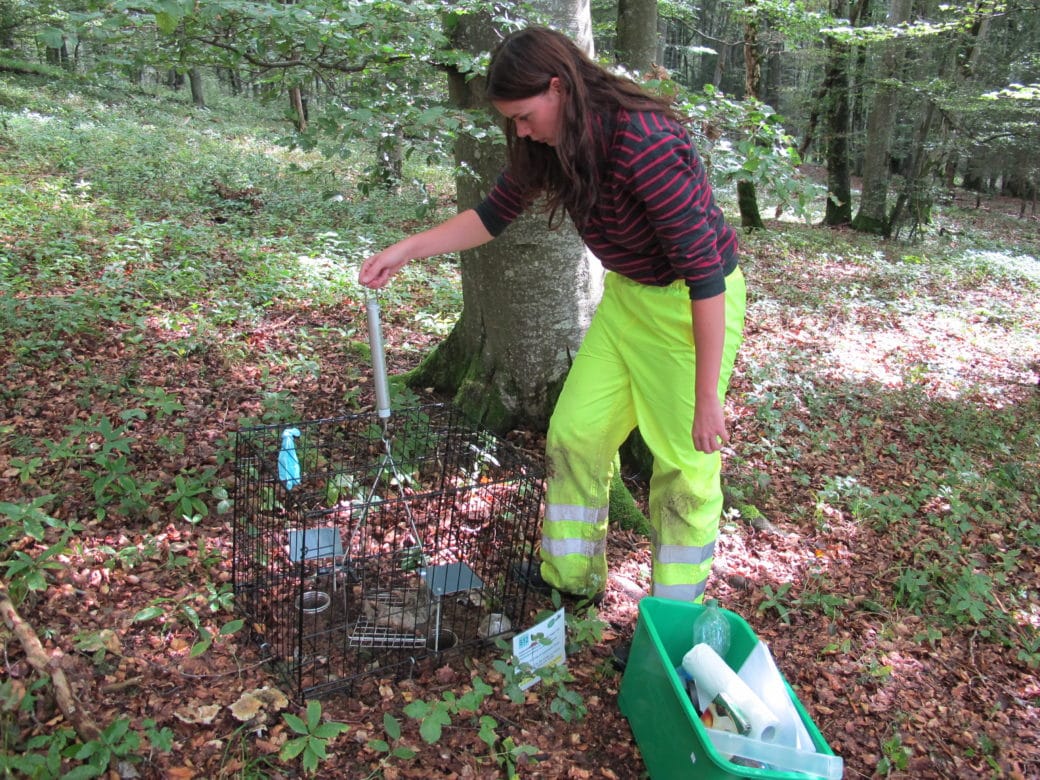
{"x":712,"y":628}
{"x":776,"y":757}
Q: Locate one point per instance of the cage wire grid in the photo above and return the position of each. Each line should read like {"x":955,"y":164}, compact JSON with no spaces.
{"x":352,"y":568}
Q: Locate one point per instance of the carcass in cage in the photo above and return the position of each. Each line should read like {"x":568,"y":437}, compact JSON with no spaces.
{"x":361,"y":545}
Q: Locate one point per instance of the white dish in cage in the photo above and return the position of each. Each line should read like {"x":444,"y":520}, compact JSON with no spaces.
{"x":314,"y":601}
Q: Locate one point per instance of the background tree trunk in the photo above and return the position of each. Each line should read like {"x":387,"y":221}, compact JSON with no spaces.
{"x":914,"y":203}
{"x":752,"y":55}
{"x":298,"y":108}
{"x":636,"y":43}
{"x":198,"y":95}
{"x":747,"y":197}
{"x":747,"y":202}
{"x":528,"y":295}
{"x":836,"y":117}
{"x":59,"y":55}
{"x":390,"y":159}
{"x":873,"y":206}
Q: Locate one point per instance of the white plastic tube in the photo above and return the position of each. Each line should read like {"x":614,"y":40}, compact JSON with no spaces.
{"x":713,"y":676}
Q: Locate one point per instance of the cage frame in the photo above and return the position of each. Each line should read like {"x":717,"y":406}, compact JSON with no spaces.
{"x":315,"y":552}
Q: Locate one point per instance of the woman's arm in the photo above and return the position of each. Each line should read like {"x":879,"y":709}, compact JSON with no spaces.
{"x":461,"y":232}
{"x":709,"y":333}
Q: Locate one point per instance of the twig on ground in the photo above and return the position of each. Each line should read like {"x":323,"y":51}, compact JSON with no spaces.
{"x":47,"y":665}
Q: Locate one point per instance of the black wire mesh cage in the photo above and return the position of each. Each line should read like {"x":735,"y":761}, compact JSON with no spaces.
{"x":362,"y":544}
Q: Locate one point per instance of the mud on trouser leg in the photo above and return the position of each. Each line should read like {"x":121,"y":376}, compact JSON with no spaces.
{"x":574,"y":529}
{"x":685,"y":508}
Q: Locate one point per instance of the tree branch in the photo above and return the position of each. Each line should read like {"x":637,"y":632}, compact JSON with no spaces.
{"x":340,"y":66}
{"x":48,"y":665}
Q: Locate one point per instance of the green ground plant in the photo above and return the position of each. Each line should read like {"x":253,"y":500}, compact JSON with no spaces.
{"x":583,"y":629}
{"x":310,"y":745}
{"x":25,"y":573}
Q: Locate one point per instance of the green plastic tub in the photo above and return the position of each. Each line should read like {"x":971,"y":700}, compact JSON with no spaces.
{"x":673,"y":741}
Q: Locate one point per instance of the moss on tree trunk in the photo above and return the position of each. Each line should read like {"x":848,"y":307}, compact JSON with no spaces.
{"x":455,"y":367}
{"x":869,"y":224}
{"x":747,"y":200}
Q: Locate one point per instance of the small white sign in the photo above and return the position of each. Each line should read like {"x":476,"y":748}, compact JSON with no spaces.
{"x":542,"y":645}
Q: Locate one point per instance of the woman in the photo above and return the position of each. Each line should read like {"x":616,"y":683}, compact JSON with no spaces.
{"x":660,"y":349}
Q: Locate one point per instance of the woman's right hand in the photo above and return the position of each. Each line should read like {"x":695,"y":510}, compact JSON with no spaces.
{"x":378,"y":269}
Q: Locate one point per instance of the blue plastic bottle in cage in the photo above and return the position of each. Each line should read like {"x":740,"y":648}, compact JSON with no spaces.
{"x":288,"y":460}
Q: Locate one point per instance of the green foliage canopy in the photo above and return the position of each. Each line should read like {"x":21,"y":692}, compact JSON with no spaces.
{"x":366,"y":69}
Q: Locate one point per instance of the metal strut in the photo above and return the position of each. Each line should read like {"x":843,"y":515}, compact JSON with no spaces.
{"x":382,"y":387}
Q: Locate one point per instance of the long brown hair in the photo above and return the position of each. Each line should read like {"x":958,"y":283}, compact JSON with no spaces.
{"x":522,"y":66}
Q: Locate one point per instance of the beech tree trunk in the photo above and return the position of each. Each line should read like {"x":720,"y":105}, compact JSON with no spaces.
{"x":836,"y":118}
{"x":528,"y":295}
{"x":198,"y":96}
{"x":873,"y":205}
{"x":747,"y":196}
{"x":636,"y":43}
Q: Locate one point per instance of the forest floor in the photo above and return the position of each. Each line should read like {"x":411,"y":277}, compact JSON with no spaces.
{"x":966,"y":707}
{"x":951,"y":688}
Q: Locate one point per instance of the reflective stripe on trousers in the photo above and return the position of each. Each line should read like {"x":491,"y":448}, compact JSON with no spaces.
{"x":636,"y":367}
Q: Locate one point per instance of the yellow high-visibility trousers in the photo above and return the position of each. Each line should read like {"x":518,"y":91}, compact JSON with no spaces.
{"x":636,"y":368}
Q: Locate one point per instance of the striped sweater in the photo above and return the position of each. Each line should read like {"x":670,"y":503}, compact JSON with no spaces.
{"x":656,"y":221}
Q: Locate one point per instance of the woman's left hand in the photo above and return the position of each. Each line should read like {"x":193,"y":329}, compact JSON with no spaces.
{"x":709,"y":426}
